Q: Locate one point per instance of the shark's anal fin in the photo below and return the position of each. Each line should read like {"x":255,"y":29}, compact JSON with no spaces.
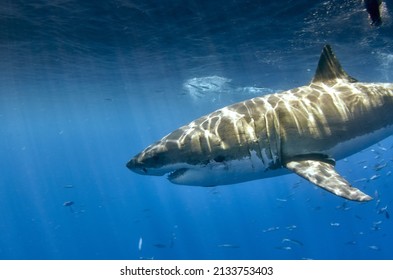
{"x":325,"y":176}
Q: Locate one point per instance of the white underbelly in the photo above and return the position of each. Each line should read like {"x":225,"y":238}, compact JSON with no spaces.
{"x":227,"y":172}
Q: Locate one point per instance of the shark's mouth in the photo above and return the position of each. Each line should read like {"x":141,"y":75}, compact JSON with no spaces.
{"x":176,"y":174}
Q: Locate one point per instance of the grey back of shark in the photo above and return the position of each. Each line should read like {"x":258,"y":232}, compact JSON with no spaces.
{"x":303,"y":130}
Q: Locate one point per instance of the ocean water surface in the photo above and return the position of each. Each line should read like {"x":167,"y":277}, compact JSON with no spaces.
{"x":85,"y":85}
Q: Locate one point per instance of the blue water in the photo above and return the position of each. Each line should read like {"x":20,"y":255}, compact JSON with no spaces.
{"x":85,"y":85}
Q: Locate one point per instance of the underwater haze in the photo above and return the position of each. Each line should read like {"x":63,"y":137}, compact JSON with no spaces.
{"x":86,"y":85}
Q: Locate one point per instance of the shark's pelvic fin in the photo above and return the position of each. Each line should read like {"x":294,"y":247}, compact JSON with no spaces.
{"x":325,"y":176}
{"x":329,"y":68}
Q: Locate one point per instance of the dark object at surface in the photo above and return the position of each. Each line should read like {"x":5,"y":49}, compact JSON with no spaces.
{"x":373,"y":10}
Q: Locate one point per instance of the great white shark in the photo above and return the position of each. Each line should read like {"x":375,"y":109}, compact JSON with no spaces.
{"x":303,"y":130}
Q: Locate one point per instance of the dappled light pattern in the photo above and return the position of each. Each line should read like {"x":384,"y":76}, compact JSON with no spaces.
{"x":323,"y":174}
{"x":304,"y":129}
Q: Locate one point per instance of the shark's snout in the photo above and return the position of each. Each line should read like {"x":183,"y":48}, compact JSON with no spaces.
{"x":136,"y":166}
{"x":148,"y":162}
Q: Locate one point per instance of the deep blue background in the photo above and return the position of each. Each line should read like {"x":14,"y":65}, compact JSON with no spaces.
{"x":85,"y":85}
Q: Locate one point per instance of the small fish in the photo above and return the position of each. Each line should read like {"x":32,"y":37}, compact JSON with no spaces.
{"x":344,"y":206}
{"x":361,"y":180}
{"x":376,"y":226}
{"x":271,"y":229}
{"x":291,"y":227}
{"x":140,"y":242}
{"x":297,"y":242}
{"x":227,"y":245}
{"x":374,"y":177}
{"x":285,"y":248}
{"x":375,"y":248}
{"x":68,"y":203}
{"x":335,"y":224}
{"x":351,"y":243}
{"x":281,"y":199}
{"x":384,"y":210}
{"x":380,"y":166}
{"x":69,"y":186}
{"x":377,"y":203}
{"x":381,"y":147}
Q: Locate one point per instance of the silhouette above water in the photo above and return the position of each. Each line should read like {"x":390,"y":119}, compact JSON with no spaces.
{"x":373,"y":9}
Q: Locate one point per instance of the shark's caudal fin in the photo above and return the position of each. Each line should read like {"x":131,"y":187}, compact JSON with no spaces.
{"x":329,"y":68}
{"x":325,"y":176}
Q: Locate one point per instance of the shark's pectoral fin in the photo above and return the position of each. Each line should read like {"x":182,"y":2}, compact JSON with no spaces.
{"x":325,"y":176}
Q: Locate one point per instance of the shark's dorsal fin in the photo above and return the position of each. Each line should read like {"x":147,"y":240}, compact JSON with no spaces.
{"x":324,"y":175}
{"x":329,"y":68}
